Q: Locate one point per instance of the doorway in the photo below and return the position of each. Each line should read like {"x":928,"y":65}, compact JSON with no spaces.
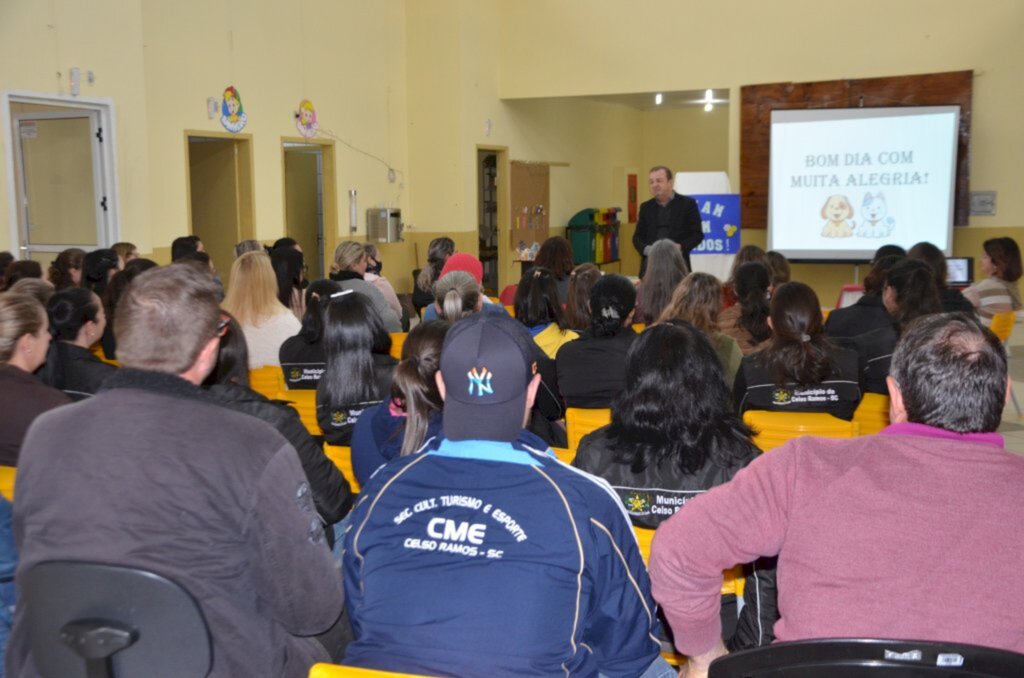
{"x":60,"y":159}
{"x":487,"y":184}
{"x":220,"y":194}
{"x":310,"y":200}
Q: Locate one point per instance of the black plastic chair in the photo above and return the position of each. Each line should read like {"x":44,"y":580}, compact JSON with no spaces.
{"x":92,"y":620}
{"x":847,"y":658}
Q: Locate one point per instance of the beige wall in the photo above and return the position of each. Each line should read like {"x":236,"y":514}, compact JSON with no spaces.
{"x":414,"y":82}
{"x":159,"y":61}
{"x":730,"y":43}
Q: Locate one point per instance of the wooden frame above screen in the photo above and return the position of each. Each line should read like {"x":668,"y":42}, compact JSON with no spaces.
{"x":758,"y":101}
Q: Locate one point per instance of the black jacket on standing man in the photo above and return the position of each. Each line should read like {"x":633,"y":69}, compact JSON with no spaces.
{"x":681,"y":225}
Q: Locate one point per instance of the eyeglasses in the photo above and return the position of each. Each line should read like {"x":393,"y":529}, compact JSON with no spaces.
{"x":222,"y":326}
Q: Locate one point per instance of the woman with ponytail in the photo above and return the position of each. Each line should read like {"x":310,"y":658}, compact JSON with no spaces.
{"x":401,"y":425}
{"x":456,"y":295}
{"x":799,"y":370}
{"x":77,"y":321}
{"x":66,"y":269}
{"x":910,"y":291}
{"x":747,"y":320}
{"x":592,"y":369}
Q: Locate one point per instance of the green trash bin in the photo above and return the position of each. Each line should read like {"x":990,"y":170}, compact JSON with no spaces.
{"x":582,"y":240}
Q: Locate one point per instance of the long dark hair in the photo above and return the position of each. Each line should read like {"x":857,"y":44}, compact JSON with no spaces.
{"x":414,"y":386}
{"x":555,"y":254}
{"x":874,"y":281}
{"x":666,"y":268}
{"x":353,"y":332}
{"x":318,"y":295}
{"x":536,"y":300}
{"x":746,"y":255}
{"x":612,"y":299}
{"x":799,"y":352}
{"x":288,"y":266}
{"x":676,"y":408}
{"x":437,"y":253}
{"x":917,"y":293}
{"x":232,"y":355}
{"x":577,"y":305}
{"x":752,"y":282}
{"x":62,"y":265}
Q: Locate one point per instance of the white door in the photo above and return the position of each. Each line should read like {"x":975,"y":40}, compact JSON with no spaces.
{"x":61,"y":197}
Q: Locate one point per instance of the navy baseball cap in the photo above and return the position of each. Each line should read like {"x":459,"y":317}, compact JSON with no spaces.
{"x":487,"y":363}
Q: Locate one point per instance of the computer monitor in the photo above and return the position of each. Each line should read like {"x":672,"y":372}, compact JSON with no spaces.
{"x":960,"y":270}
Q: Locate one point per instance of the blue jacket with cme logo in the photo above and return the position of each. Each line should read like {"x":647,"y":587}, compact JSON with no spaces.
{"x":485,"y":558}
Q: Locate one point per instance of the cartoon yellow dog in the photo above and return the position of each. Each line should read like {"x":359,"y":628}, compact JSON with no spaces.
{"x":837,"y":210}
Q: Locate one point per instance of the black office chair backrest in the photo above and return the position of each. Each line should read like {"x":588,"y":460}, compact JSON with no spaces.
{"x":92,"y":620}
{"x":849,"y":658}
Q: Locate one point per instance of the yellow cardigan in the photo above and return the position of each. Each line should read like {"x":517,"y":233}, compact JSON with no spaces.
{"x":551,"y":339}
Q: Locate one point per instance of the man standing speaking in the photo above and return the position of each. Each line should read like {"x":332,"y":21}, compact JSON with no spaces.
{"x":666,"y":215}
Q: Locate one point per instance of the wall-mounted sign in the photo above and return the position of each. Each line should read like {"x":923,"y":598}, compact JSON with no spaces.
{"x":305,"y":119}
{"x":232,"y":115}
{"x":720,"y":220}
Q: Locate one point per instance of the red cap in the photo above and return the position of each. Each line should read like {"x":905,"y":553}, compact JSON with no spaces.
{"x":460,"y":261}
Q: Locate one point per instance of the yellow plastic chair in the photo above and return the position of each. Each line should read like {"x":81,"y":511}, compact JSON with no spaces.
{"x":304,"y":402}
{"x":732,"y":584}
{"x":872,"y":415}
{"x":7,"y":474}
{"x":732,"y":579}
{"x":1002,"y":327}
{"x":564,"y":454}
{"x":579,"y":422}
{"x":511,"y":310}
{"x":639,"y":327}
{"x":774,"y":429}
{"x":397,"y":342}
{"x":336,"y":671}
{"x":342,"y":458}
{"x":267,"y":381}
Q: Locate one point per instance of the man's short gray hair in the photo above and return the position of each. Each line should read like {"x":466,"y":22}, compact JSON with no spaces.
{"x":165,"y":317}
{"x":952,"y":373}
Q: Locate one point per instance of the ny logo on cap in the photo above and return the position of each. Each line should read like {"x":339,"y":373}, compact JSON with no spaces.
{"x":481,"y":380}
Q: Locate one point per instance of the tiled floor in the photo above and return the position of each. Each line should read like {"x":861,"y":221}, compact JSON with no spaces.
{"x":1012,"y":427}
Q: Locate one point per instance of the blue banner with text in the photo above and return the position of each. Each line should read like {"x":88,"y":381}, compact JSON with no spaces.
{"x":720,"y":220}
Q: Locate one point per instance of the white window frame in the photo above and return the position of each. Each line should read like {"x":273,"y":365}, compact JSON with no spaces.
{"x":110,"y":231}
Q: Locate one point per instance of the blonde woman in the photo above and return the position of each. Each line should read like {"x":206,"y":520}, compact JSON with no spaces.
{"x":349,"y":269}
{"x":697,"y":300}
{"x":252,"y":300}
{"x":24,"y":340}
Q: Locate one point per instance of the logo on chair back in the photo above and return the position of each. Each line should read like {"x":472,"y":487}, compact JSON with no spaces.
{"x":481,"y":381}
{"x":782,"y":396}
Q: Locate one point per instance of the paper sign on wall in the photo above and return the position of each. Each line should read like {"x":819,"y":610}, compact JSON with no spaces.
{"x":232,"y":115}
{"x":720,"y":220}
{"x":305,"y":119}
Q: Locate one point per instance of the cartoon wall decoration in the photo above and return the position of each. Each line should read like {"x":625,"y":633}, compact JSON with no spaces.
{"x":232,"y":115}
{"x":837,"y":211}
{"x":305,"y":119}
